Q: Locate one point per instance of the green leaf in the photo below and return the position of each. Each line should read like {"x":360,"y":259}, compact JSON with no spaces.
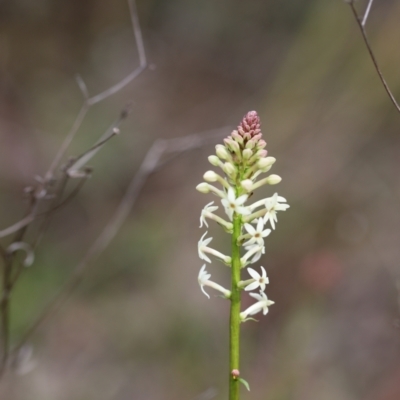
{"x":245,"y":383}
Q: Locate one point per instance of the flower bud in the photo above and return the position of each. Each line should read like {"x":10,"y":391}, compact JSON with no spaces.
{"x":232,"y":145}
{"x":261,"y":144}
{"x":257,"y":137}
{"x":214,"y":160}
{"x":247,"y":185}
{"x":246,"y":135}
{"x":238,"y":138}
{"x":203,"y":187}
{"x":247,"y":153}
{"x":222,"y":152}
{"x":266,"y":162}
{"x":274,"y":179}
{"x":235,"y":373}
{"x":229,"y":169}
{"x":262,"y":153}
{"x":210,"y":176}
{"x":251,"y":144}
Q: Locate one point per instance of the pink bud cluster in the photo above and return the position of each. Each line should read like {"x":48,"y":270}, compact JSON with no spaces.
{"x":245,"y":145}
{"x":250,"y":125}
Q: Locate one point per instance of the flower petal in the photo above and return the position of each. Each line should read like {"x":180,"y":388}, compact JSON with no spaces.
{"x":256,"y":296}
{"x":252,"y":286}
{"x":253,"y":273}
{"x":265,"y":233}
{"x":250,"y":229}
{"x":264,"y":272}
{"x":202,"y":289}
{"x":241,"y":200}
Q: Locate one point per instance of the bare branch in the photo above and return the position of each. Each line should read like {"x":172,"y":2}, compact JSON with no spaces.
{"x":17,"y":226}
{"x":30,"y":255}
{"x":82,"y":85}
{"x":116,"y":88}
{"x":10,"y":274}
{"x":67,"y":141}
{"x":371,"y":53}
{"x":90,"y":101}
{"x":150,"y":163}
{"x":137,"y":32}
{"x":68,"y":198}
{"x":82,"y":159}
{"x":85,"y":157}
{"x":364,"y":21}
{"x":5,"y":313}
{"x":142,"y":59}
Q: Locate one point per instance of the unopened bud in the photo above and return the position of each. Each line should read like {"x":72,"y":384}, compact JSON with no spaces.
{"x":274,"y":179}
{"x":229,"y":169}
{"x":247,"y":185}
{"x":235,"y":373}
{"x":261,"y":144}
{"x":266,"y":162}
{"x":262,"y":153}
{"x":203,"y":187}
{"x":210,"y":176}
{"x":251,"y":143}
{"x":237,"y":137}
{"x":214,"y":160}
{"x":257,"y":137}
{"x":222,"y":152}
{"x":247,"y":153}
{"x":232,"y":145}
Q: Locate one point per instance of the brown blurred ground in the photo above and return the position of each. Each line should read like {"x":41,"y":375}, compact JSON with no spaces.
{"x":139,"y":327}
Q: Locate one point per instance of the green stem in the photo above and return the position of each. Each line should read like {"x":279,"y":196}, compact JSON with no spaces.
{"x":234,"y":334}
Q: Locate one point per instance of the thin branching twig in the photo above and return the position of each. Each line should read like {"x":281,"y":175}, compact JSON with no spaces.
{"x":361,"y":25}
{"x":142,"y":59}
{"x":364,"y":20}
{"x":88,"y":102}
{"x":152,"y":160}
{"x":53,"y":187}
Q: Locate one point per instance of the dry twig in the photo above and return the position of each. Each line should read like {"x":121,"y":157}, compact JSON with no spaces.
{"x":361,"y":25}
{"x":53,"y":187}
{"x":157,"y":155}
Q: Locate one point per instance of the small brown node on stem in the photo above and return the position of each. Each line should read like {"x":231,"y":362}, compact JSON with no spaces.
{"x":235,"y":373}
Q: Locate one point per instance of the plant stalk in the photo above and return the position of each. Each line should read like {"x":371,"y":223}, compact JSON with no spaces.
{"x":234,"y":334}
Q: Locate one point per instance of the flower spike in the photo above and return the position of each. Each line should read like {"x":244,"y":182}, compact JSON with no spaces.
{"x":243,"y":159}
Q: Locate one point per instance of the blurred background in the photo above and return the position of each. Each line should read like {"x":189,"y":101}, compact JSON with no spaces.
{"x":138,"y":327}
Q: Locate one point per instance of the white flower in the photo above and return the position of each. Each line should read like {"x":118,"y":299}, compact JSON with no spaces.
{"x":207,"y":209}
{"x":202,"y":248}
{"x":255,"y":251}
{"x":272,"y":205}
{"x":202,"y":245}
{"x":262,"y":305}
{"x":233,"y":204}
{"x":259,"y":280}
{"x":203,"y":279}
{"x":257,"y":234}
